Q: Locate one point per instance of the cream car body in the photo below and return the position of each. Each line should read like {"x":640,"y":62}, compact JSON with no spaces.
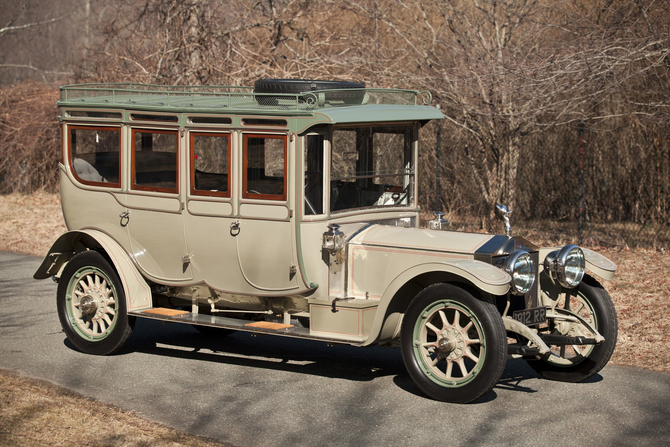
{"x":293,"y":214}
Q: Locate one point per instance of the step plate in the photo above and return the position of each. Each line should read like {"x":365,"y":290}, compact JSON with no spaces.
{"x":235,"y":324}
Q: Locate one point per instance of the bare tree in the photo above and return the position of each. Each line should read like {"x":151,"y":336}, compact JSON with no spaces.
{"x":503,"y":70}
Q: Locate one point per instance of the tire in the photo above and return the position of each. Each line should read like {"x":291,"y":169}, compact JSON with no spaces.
{"x":294,"y":86}
{"x":92,"y":305}
{"x":578,"y":363}
{"x":464,"y":370}
{"x":297,"y":86}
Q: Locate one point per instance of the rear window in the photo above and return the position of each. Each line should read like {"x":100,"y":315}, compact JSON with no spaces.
{"x":94,"y":155}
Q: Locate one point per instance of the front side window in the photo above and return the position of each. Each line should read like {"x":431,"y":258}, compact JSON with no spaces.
{"x":210,"y":164}
{"x":314,"y":174}
{"x":264,"y":167}
{"x":371,"y":167}
{"x":94,"y":155}
{"x":154,"y":160}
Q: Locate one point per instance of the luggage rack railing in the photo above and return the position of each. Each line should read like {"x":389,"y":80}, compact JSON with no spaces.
{"x":228,"y":97}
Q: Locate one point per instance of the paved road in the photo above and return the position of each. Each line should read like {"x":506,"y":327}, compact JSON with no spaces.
{"x":269,"y":391}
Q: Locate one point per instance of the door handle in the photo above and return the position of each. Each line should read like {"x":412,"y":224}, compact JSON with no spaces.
{"x":125,"y":217}
{"x":235,"y":228}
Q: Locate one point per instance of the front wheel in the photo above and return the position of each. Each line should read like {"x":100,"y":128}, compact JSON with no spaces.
{"x":575,"y":363}
{"x":453,"y":345}
{"x":92,"y":305}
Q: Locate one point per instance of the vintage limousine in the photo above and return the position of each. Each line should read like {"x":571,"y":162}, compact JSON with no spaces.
{"x":290,"y":209}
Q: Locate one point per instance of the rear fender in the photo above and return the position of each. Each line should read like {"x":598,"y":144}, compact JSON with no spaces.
{"x":138,"y":292}
{"x":473,"y":274}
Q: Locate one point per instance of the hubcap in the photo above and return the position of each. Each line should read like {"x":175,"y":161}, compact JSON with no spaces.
{"x":88,"y":305}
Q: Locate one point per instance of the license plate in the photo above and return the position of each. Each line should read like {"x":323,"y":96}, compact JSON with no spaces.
{"x":530,"y":317}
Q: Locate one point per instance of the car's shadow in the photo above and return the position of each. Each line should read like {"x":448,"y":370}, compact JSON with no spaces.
{"x":297,"y":355}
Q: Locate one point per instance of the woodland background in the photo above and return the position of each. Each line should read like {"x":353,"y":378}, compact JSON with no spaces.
{"x":558,"y":108}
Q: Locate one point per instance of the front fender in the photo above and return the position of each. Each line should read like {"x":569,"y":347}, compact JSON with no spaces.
{"x":595,"y":262}
{"x":479,"y":274}
{"x":138,"y":292}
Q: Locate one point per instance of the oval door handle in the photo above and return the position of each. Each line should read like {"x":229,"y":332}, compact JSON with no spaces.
{"x":125,"y":217}
{"x":235,"y":228}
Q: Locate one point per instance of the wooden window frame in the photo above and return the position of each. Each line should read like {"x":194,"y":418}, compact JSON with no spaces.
{"x":70,"y":160}
{"x":198,"y":192}
{"x":245,"y":193}
{"x":136,"y":187}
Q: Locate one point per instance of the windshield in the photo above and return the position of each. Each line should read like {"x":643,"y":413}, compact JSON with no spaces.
{"x":371,"y":166}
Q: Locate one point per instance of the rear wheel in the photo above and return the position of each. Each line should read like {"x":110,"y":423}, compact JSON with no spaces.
{"x":453,"y":345}
{"x":92,"y":305}
{"x":574,"y":363}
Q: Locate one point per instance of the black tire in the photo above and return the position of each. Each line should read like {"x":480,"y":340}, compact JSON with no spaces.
{"x":484,"y":361}
{"x":92,"y":305}
{"x":574,"y":366}
{"x":297,"y":86}
{"x":293,"y":86}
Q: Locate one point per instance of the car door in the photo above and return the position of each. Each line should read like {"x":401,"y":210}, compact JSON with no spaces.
{"x":265,"y":233}
{"x":154,"y":221}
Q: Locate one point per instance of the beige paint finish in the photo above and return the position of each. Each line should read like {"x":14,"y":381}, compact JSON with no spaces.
{"x":352,"y":320}
{"x":264,"y":211}
{"x":266,"y":255}
{"x":422,"y":239}
{"x":201,"y":207}
{"x":599,"y":264}
{"x":158,"y":244}
{"x":374,"y":268}
{"x":90,"y":208}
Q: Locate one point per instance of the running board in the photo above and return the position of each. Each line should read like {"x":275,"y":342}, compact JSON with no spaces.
{"x":257,"y":327}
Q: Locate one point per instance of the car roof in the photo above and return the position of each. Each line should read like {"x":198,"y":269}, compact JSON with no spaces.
{"x":311,"y":108}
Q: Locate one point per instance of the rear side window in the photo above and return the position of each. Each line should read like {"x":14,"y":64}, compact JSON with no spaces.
{"x":154,"y":160}
{"x":265,"y":167}
{"x":210,"y":164}
{"x":94,"y":155}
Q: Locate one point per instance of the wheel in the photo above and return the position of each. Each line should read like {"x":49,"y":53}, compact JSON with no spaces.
{"x":294,"y":86}
{"x":92,"y":305}
{"x":297,"y":86}
{"x":454,"y":346}
{"x":579,"y":362}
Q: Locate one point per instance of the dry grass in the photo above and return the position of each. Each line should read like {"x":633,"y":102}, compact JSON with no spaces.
{"x":37,"y":413}
{"x":640,"y":292}
{"x":30,"y":223}
{"x":31,"y":411}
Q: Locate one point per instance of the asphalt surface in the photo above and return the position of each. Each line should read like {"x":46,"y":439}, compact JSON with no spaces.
{"x":271,"y":391}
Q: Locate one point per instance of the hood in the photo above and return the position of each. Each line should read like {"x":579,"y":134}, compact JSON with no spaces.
{"x":480,"y":245}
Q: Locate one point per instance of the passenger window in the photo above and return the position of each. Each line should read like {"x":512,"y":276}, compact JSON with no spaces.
{"x":94,"y":155}
{"x":265,"y":167}
{"x":314,"y":174}
{"x":210,"y":155}
{"x":154,"y":160}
